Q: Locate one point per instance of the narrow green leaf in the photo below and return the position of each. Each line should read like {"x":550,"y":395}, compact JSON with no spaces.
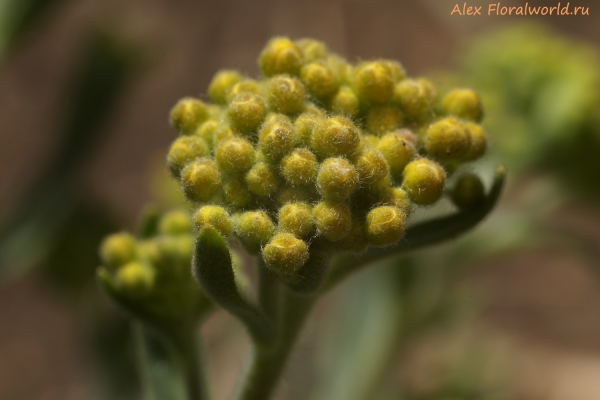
{"x":213,"y":270}
{"x":420,"y":235}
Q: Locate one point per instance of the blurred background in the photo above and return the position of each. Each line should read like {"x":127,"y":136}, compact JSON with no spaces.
{"x":511,"y":311}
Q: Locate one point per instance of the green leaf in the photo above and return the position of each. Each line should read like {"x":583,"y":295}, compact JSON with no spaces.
{"x":213,"y":270}
{"x":420,"y":235}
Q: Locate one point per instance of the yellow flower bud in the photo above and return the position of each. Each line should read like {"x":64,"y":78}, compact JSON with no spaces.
{"x":206,"y":131}
{"x":280,"y":56}
{"x":300,"y":167}
{"x":246,"y":112}
{"x":304,"y":126}
{"x":235,"y":156}
{"x":424,"y":181}
{"x":337,"y":179}
{"x":188,"y":114}
{"x":254,"y":229}
{"x":222,"y":133}
{"x":333,"y":220}
{"x":341,"y":68}
{"x":245,"y":86}
{"x":312,"y":49}
{"x":236,"y":193}
{"x":447,"y":140}
{"x":216,"y":216}
{"x":296,"y":218}
{"x":373,"y":82}
{"x":345,"y":102}
{"x":135,"y":279}
{"x":397,"y":151}
{"x":175,"y":222}
{"x":415,"y":97}
{"x":371,"y":166}
{"x":478,"y":141}
{"x":262,"y":180}
{"x":336,"y":136}
{"x":276,"y":139}
{"x":221,"y":84}
{"x":468,"y":192}
{"x":383,"y":119}
{"x":396,"y":197}
{"x":185,"y":150}
{"x":285,"y":253}
{"x":385,"y":226}
{"x":285,"y":94}
{"x":319,"y":79}
{"x":200,"y":179}
{"x":463,"y":103}
{"x":396,"y":69}
{"x":117,"y":249}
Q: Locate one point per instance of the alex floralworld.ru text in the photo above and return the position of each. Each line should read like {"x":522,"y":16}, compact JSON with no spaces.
{"x":498,"y":9}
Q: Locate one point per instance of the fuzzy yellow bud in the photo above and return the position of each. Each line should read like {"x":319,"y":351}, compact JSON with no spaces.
{"x":397,"y":151}
{"x":135,"y":279}
{"x":285,"y":253}
{"x":424,"y":181}
{"x":337,"y":179}
{"x":373,"y":82}
{"x":183,"y":151}
{"x":285,"y":94}
{"x":235,"y":156}
{"x":276,"y":138}
{"x":312,"y":49}
{"x":236,"y":193}
{"x":245,"y":86}
{"x":463,"y":103}
{"x":221,"y":84}
{"x":385,"y":226}
{"x":345,"y":102}
{"x":447,"y":140}
{"x":216,"y":216}
{"x":304,"y":126}
{"x":200,"y":179}
{"x":255,"y":229}
{"x":336,"y":136}
{"x":300,"y":167}
{"x":319,"y":79}
{"x":117,"y":250}
{"x":262,"y":180}
{"x":296,"y":218}
{"x":383,"y":119}
{"x":478,"y":144}
{"x":175,"y":222}
{"x":371,"y":166}
{"x":415,"y":97}
{"x":188,"y":114}
{"x":280,"y":56}
{"x":246,"y":112}
{"x":333,"y":220}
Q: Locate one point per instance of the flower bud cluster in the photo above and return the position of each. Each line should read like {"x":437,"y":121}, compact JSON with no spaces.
{"x":154,"y":273}
{"x":319,"y":150}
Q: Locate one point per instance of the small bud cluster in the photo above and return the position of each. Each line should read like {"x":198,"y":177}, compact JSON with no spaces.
{"x":155,"y":272}
{"x":320,"y":150}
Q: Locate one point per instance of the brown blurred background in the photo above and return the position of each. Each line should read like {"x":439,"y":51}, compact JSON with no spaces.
{"x":543,"y":309}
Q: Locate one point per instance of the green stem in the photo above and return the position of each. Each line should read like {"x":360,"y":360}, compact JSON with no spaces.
{"x":187,"y":349}
{"x":268,"y":361}
{"x":268,"y":291}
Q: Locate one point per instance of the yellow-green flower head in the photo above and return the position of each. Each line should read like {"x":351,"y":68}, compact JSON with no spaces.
{"x":463,"y":103}
{"x":415,"y":97}
{"x":424,"y":181}
{"x":336,"y":136}
{"x":333,"y":220}
{"x":371,"y":165}
{"x":345,"y":102}
{"x":305,"y":125}
{"x":447,"y":140}
{"x":117,"y":249}
{"x":221,"y":84}
{"x":175,"y":222}
{"x":373,"y":82}
{"x":276,"y":138}
{"x":396,"y":197}
{"x":300,"y":167}
{"x":312,"y":49}
{"x":397,"y":151}
{"x":262,"y":180}
{"x":254,"y":229}
{"x":319,"y":79}
{"x":216,"y":216}
{"x":478,"y":141}
{"x":296,"y":218}
{"x":385,"y":226}
{"x":397,"y":70}
{"x":185,"y":150}
{"x":200,"y":179}
{"x":246,"y":112}
{"x":245,"y":86}
{"x":384,"y":119}
{"x":337,"y":179}
{"x":235,"y":156}
{"x":285,"y":94}
{"x":236,"y":193}
{"x":285,"y":253}
{"x":135,"y":279}
{"x":280,"y":56}
{"x":468,"y":192}
{"x":187,"y":115}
